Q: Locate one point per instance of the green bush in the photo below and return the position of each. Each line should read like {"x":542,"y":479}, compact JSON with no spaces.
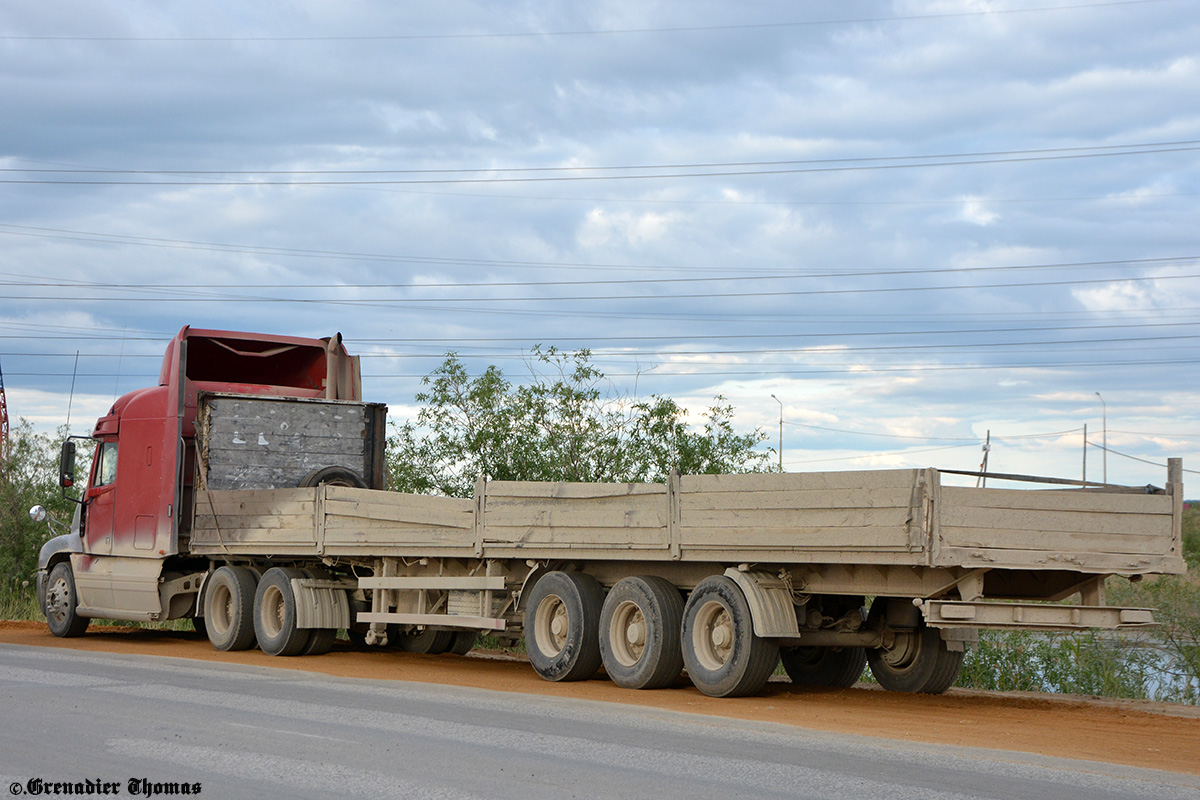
{"x":28,"y":477}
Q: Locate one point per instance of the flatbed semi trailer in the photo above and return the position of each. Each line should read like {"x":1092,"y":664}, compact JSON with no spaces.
{"x":283,"y":535}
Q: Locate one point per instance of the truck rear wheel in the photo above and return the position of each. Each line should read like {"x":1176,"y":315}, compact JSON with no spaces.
{"x":431,"y":641}
{"x":229,"y":608}
{"x":464,"y":642}
{"x":724,"y":657}
{"x":840,"y":667}
{"x":640,"y":627}
{"x":62,"y":603}
{"x":918,"y":659}
{"x":275,"y":614}
{"x":562,"y":626}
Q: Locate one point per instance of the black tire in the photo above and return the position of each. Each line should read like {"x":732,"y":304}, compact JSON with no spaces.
{"x":62,"y":603}
{"x":464,"y":642}
{"x":229,"y":608}
{"x":275,"y":614}
{"x":562,"y":626}
{"x":333,"y":476}
{"x":430,"y":641}
{"x":640,"y":628}
{"x":919,"y":660}
{"x":357,"y":634}
{"x":320,"y":641}
{"x":723,"y":656}
{"x":840,"y":667}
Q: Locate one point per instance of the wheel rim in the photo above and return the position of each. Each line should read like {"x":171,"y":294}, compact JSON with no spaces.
{"x":220,"y":618}
{"x":627,"y":634}
{"x":272,"y":612}
{"x":58,"y":600}
{"x":553,"y":625}
{"x":903,"y":652}
{"x":712,"y":635}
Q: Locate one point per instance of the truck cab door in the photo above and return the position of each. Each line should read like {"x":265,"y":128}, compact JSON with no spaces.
{"x":100,"y":501}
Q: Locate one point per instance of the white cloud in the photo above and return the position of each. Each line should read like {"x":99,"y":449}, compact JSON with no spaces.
{"x":831,"y":238}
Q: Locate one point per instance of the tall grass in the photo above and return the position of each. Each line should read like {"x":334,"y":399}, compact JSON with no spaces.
{"x":1088,"y":663}
{"x":18,"y":599}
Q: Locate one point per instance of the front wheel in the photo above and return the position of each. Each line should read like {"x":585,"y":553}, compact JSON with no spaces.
{"x":62,"y":603}
{"x":724,"y":657}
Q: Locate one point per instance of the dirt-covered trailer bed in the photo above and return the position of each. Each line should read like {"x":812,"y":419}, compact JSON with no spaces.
{"x":735,"y":569}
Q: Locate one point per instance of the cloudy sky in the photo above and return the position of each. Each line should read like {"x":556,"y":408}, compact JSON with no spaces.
{"x":912,"y":222}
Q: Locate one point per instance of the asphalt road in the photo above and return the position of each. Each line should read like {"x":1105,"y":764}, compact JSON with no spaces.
{"x":239,"y":732}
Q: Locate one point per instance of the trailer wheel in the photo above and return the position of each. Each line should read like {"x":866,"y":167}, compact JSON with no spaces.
{"x":333,"y":476}
{"x":562,"y":626}
{"x":640,"y":627}
{"x":275,"y":614}
{"x":464,"y":642}
{"x":229,"y":608}
{"x":724,"y":657}
{"x":840,"y":667}
{"x":62,"y":603}
{"x":431,"y":641}
{"x":918,"y":660}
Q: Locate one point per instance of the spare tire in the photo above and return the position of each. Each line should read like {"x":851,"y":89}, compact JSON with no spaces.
{"x":333,"y":476}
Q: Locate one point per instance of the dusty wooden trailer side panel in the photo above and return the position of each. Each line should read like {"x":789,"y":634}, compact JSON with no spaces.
{"x":1090,"y":531}
{"x":889,"y":517}
{"x":876,"y":517}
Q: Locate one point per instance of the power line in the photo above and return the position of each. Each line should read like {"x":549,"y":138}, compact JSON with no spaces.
{"x":590,"y":32}
{"x":441,"y":301}
{"x":1135,"y":458}
{"x":19,"y":230}
{"x":821,"y":349}
{"x":687,"y":370}
{"x":951,"y":162}
{"x":1084,"y":150}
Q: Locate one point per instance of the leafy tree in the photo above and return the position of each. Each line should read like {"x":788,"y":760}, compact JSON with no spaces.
{"x":28,"y":477}
{"x":559,"y":426}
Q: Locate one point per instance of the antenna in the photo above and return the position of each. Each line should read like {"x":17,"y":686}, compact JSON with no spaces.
{"x":71,"y":399}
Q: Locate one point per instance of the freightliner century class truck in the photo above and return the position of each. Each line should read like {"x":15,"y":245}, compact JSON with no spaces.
{"x":246,"y":491}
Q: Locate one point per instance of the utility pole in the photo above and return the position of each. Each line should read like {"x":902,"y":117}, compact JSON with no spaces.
{"x":777,"y":400}
{"x":3,"y":420}
{"x":983,"y":467}
{"x":1104,"y":407}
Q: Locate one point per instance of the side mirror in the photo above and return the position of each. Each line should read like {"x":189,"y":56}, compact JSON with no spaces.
{"x":66,"y":465}
{"x":38,"y":514}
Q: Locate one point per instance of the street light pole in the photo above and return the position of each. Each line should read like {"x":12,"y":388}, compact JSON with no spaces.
{"x":1104,"y":408}
{"x":777,"y":400}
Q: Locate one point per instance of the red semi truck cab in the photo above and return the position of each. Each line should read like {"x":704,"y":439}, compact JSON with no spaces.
{"x":136,"y":504}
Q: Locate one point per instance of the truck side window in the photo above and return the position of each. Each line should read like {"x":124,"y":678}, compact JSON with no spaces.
{"x":106,"y":471}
